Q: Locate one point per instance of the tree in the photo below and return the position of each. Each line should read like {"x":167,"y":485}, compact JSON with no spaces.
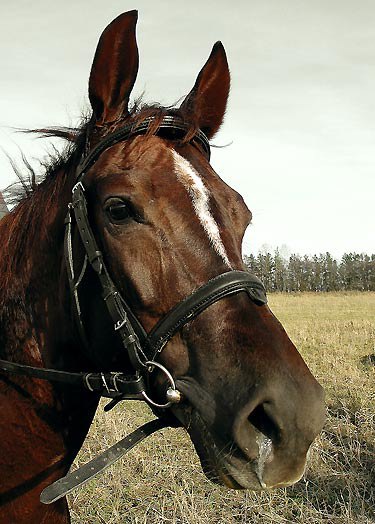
{"x":316,"y":273}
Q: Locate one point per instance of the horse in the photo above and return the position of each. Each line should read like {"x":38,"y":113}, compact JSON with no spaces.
{"x":125,"y":261}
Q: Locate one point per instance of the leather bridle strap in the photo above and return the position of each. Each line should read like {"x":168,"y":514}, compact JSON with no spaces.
{"x":62,"y":487}
{"x":111,"y":385}
{"x":167,"y":124}
{"x":219,"y":287}
{"x":119,"y":385}
{"x":141,"y":348}
{"x":124,"y":321}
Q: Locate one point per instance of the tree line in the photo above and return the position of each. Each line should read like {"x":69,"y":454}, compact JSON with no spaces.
{"x":355,"y":271}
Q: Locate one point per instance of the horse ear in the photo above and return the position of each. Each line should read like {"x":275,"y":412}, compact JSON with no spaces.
{"x":114,"y":68}
{"x":207,"y":100}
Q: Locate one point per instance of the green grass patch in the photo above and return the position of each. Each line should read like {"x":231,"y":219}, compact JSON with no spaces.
{"x":160,"y":481}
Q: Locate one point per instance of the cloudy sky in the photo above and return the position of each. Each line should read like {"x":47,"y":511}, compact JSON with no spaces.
{"x":301,"y":118}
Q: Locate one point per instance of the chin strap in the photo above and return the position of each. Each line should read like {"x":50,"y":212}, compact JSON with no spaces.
{"x":80,"y":476}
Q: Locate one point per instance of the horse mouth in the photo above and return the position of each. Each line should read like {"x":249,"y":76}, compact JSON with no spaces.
{"x":216,"y":458}
{"x":222,"y":463}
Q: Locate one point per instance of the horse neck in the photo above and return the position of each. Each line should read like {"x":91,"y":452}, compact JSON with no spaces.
{"x":36,"y":326}
{"x":32,"y":291}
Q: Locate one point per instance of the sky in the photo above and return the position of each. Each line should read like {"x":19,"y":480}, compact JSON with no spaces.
{"x":300,"y":120}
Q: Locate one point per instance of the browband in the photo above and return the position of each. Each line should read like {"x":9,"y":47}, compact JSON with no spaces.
{"x":168,"y":122}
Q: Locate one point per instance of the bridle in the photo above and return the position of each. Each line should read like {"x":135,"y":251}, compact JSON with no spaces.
{"x":142,"y":348}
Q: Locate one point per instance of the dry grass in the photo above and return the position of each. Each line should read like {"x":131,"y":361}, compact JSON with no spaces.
{"x":160,"y":481}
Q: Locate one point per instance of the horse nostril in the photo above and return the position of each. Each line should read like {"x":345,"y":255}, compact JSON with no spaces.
{"x":262,"y":420}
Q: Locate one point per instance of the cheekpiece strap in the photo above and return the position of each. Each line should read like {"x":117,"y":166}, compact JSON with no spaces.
{"x":80,"y":211}
{"x":117,"y":308}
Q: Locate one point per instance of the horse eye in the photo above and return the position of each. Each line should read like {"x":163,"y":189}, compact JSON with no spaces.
{"x":118,"y":211}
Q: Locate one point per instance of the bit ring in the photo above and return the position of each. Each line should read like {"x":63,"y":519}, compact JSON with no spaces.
{"x":151,"y":363}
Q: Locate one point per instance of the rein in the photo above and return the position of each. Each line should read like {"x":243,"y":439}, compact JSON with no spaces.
{"x":142,"y":348}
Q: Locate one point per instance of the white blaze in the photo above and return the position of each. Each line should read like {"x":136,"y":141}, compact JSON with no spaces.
{"x":199,"y":194}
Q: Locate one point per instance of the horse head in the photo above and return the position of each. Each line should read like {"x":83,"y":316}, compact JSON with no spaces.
{"x":166,"y":225}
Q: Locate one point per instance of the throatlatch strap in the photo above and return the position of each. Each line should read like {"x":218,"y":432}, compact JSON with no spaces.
{"x":73,"y":283}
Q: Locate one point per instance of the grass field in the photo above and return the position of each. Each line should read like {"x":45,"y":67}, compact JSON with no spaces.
{"x":160,"y":481}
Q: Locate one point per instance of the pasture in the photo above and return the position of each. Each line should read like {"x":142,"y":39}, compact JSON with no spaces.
{"x":160,"y":481}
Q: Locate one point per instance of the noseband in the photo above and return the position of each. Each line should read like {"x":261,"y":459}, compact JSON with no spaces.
{"x":142,"y":348}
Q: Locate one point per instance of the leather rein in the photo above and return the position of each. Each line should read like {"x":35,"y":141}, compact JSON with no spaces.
{"x":142,"y":348}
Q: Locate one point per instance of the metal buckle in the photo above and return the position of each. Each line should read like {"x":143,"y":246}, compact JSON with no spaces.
{"x":111,"y":389}
{"x":115,"y":375}
{"x":86,"y":378}
{"x":76,"y":186}
{"x":105,"y":383}
{"x":120,"y":323}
